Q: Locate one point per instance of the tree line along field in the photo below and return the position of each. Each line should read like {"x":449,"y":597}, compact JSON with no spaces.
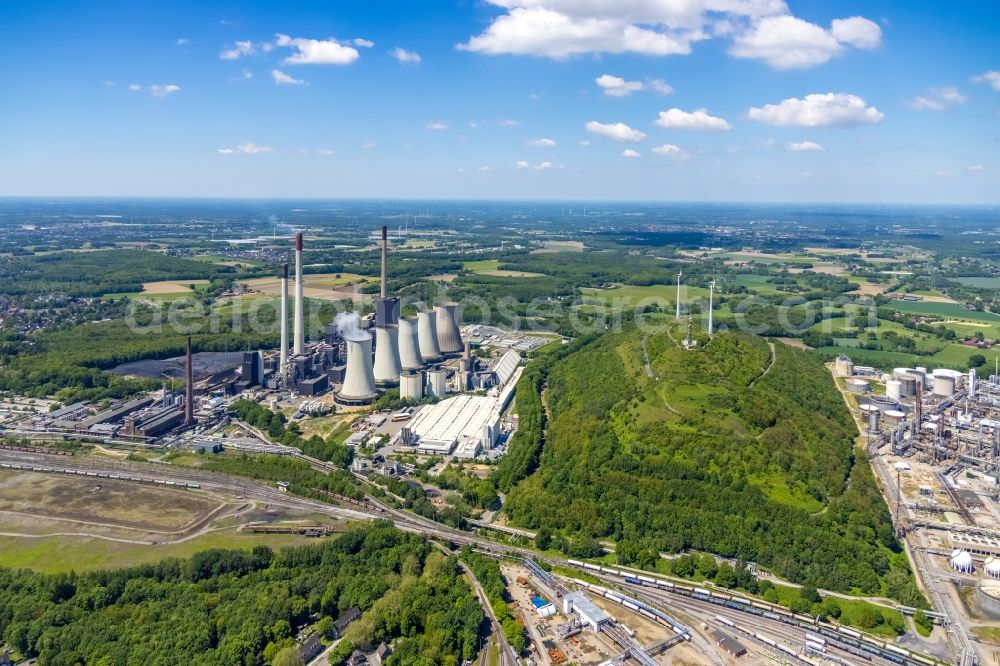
{"x":712,"y":455}
{"x":234,"y":607}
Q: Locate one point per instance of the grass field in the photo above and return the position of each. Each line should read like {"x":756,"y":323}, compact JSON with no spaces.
{"x":979,"y":282}
{"x":492,"y":267}
{"x":948,"y":310}
{"x":55,"y":554}
{"x":630,"y":296}
{"x":550,"y":247}
{"x":758,"y":284}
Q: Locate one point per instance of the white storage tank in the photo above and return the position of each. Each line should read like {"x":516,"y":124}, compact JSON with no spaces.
{"x":858,"y":385}
{"x":944,"y":386}
{"x":992,"y":568}
{"x":893,"y":389}
{"x":411,"y":386}
{"x":907,"y":385}
{"x":870,"y":414}
{"x":437,"y":382}
{"x":843,"y":366}
{"x":961,"y":561}
{"x":895,"y":416}
{"x":899,"y":372}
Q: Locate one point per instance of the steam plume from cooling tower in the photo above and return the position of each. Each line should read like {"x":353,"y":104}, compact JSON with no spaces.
{"x":348,"y":324}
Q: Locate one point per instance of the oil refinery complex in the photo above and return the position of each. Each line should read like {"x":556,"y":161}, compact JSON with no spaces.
{"x":934,"y":440}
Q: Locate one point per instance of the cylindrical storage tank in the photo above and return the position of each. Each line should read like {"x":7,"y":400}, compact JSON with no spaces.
{"x":907,"y":385}
{"x":892,"y":389}
{"x":944,"y":386}
{"x":448,"y":335}
{"x":920,"y":375}
{"x":387,"y":364}
{"x":844,"y":366}
{"x":359,"y":376}
{"x":895,"y":416}
{"x":858,"y":385}
{"x":409,"y":344}
{"x":411,"y":386}
{"x":871,"y":415}
{"x":437,"y":383}
{"x":899,"y":372}
{"x":427,"y":336}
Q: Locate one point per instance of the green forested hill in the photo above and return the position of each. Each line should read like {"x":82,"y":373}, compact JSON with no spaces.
{"x":232,"y":607}
{"x":712,"y":454}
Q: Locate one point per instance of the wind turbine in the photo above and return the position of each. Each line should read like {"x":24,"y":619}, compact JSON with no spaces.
{"x":711,"y":294}
{"x":677,"y":316}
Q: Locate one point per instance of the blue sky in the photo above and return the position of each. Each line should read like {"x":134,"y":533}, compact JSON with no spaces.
{"x":504,"y":99}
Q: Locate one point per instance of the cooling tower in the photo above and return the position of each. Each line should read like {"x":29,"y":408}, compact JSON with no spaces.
{"x":299,"y":339}
{"x":283,"y":322}
{"x":411,"y":386}
{"x":409,"y":344}
{"x":448,"y":336}
{"x":387,"y":363}
{"x":427,"y":336}
{"x":359,"y":377}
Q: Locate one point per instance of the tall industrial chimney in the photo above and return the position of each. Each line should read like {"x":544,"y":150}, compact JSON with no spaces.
{"x":448,"y":335}
{"x":387,"y":363}
{"x":409,"y":344}
{"x":299,"y":340}
{"x":283,"y":322}
{"x":359,"y":376}
{"x":385,"y":256}
{"x":427,"y":336}
{"x":188,"y":384}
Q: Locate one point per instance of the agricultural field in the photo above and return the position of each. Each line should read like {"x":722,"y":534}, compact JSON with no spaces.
{"x":553,"y":246}
{"x":321,"y":286}
{"x":631,"y":295}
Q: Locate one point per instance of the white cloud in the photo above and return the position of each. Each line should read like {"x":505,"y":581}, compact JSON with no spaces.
{"x":671,"y":150}
{"x":542,"y":143}
{"x":615,"y":86}
{"x":941,"y":173}
{"x":975,"y":167}
{"x":803,"y":146}
{"x":282,"y":79}
{"x":508,"y":122}
{"x":245,"y":149}
{"x":616,"y":131}
{"x":134,"y":87}
{"x":246,"y":74}
{"x":363,"y":43}
{"x":818,"y":110}
{"x":404,"y":56}
{"x":856,"y":31}
{"x":699,"y":119}
{"x":162,"y":90}
{"x":628,"y":152}
{"x":545,"y":32}
{"x":437,"y":126}
{"x":541,"y":166}
{"x":583,"y":142}
{"x":237,"y":50}
{"x":660,"y":87}
{"x":324,"y":151}
{"x":787,"y":42}
{"x":183,"y":41}
{"x":316,"y":51}
{"x":991,"y":78}
{"x":564,"y":28}
{"x":369,"y":145}
{"x":483,"y":169}
{"x":937,"y":99}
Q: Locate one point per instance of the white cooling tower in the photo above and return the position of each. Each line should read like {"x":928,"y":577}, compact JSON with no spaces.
{"x":437,"y":385}
{"x":427,"y":336}
{"x":411,"y":386}
{"x":409,"y":345}
{"x":359,"y":376}
{"x":448,"y":336}
{"x":387,"y":363}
